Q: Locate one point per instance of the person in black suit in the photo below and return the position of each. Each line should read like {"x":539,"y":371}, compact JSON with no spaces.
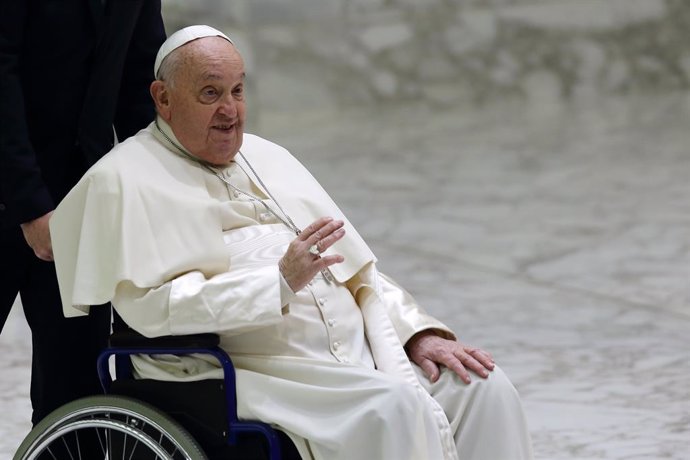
{"x":74,"y":78}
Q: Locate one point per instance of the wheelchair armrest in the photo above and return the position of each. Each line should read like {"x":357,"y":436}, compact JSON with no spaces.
{"x":127,"y":342}
{"x":129,"y":338}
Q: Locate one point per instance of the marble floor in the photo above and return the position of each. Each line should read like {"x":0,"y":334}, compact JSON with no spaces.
{"x":556,"y":235}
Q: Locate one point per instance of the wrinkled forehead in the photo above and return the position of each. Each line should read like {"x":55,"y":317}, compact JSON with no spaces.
{"x":204,"y":62}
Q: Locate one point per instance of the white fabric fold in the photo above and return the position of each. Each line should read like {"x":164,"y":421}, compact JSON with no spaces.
{"x":178,"y":226}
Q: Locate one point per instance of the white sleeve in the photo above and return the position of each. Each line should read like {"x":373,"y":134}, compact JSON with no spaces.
{"x":286,"y":294}
{"x":233,"y":302}
{"x":407,"y":316}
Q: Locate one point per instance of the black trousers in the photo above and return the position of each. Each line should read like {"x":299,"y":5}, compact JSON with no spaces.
{"x":64,"y":352}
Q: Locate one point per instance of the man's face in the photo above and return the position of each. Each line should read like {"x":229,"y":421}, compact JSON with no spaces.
{"x":205,"y":105}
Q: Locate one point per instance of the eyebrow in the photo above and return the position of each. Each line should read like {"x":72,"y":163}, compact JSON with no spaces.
{"x":216,"y":76}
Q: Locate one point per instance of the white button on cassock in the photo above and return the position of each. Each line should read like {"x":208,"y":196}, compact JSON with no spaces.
{"x":331,"y":322}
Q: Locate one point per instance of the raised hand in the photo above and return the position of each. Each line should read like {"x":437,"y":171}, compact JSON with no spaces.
{"x":303,"y":260}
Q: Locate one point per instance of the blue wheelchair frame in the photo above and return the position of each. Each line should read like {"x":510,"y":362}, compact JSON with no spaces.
{"x":204,"y":344}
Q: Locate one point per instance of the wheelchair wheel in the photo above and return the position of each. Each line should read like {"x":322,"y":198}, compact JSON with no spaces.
{"x":108,"y":428}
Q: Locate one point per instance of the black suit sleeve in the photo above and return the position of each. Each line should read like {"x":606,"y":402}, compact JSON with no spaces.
{"x":22,"y":187}
{"x":135,"y":107}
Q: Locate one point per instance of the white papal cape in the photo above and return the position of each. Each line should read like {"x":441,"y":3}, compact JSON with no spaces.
{"x":142,"y":215}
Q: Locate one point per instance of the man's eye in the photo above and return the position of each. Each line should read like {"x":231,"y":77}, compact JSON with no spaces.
{"x":209,"y":94}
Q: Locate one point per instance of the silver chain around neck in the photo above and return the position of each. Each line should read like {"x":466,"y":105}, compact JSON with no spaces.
{"x":287,"y":221}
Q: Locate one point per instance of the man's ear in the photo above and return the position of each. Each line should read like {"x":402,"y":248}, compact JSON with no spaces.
{"x":161,"y":97}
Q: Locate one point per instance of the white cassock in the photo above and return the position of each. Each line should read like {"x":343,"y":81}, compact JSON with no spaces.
{"x":179,"y":252}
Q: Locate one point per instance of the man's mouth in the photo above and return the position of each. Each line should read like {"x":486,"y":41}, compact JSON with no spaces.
{"x":224,"y":126}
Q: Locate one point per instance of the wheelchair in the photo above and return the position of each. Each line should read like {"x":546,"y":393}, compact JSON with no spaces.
{"x":155,"y":420}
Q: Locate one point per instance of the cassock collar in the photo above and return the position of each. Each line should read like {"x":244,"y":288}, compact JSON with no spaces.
{"x":304,"y":200}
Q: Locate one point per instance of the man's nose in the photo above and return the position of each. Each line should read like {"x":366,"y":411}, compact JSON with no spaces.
{"x":228,"y":106}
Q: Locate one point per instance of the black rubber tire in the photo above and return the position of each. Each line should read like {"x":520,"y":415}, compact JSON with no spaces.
{"x":120,"y":416}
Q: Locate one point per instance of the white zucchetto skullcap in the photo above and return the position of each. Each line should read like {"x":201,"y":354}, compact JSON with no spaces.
{"x":182,"y":37}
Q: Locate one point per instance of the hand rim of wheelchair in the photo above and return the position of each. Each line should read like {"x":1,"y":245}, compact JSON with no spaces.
{"x":94,"y":412}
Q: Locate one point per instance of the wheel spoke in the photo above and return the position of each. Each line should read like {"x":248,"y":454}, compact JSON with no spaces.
{"x":101,"y":442}
{"x":51,"y":453}
{"x":136,"y":443}
{"x":67,"y":449}
{"x":76,"y":439}
{"x":124,"y":442}
{"x":109,"y":428}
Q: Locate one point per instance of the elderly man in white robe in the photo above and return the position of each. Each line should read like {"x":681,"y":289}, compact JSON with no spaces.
{"x":193,"y":226}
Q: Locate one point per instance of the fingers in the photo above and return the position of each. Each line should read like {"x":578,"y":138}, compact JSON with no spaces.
{"x":44,"y":254}
{"x":314,"y":227}
{"x":42,"y":249}
{"x":303,"y":259}
{"x":483,"y":357}
{"x":428,"y":351}
{"x":473,"y":359}
{"x":37,"y":235}
{"x":469,"y":362}
{"x":324,"y":243}
{"x":327,"y":261}
{"x":456,"y":365}
{"x":323,"y":233}
{"x":462,"y":359}
{"x":430,"y":369}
